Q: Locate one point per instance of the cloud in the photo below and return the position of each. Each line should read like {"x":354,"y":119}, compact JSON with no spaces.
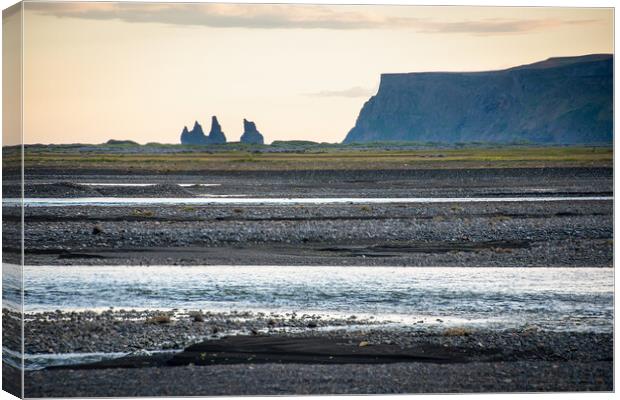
{"x":282,"y":16}
{"x":220,"y":15}
{"x":498,"y":26}
{"x":356,"y":91}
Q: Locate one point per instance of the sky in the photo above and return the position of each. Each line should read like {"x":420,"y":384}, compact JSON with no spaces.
{"x":141,"y":71}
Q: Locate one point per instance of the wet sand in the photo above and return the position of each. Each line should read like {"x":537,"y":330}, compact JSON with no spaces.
{"x":292,"y":379}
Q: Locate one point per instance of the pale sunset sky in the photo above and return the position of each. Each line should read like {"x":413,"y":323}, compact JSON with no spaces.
{"x":141,"y":71}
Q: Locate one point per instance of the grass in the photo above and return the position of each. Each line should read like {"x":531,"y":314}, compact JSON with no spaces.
{"x":340,"y":158}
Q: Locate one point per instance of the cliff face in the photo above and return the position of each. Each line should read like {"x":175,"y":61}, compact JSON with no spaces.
{"x":560,"y":100}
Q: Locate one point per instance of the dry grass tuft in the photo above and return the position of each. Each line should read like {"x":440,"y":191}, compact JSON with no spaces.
{"x":500,"y":218}
{"x":457,"y":331}
{"x":143,"y":213}
{"x":160,"y":319}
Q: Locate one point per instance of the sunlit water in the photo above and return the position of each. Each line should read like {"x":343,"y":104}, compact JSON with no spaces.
{"x":233,"y":199}
{"x":551,"y":298}
{"x":147,"y":184}
{"x":574,"y":299}
{"x":12,"y":287}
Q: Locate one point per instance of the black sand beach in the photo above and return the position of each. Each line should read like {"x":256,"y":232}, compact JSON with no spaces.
{"x":293,"y":379}
{"x":415,"y":358}
{"x":540,"y":233}
{"x":359,"y":357}
{"x":387,"y":199}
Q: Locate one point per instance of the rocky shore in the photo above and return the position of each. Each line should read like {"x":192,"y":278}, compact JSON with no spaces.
{"x":456,"y":234}
{"x":129,"y":331}
{"x":406,"y":181}
{"x":452,"y":234}
{"x":113,"y":331}
{"x":481,"y":359}
{"x":538,"y":233}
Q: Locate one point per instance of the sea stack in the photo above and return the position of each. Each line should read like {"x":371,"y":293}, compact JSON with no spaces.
{"x":195,"y":136}
{"x":216,"y":136}
{"x":251,"y":135}
{"x":184,"y":135}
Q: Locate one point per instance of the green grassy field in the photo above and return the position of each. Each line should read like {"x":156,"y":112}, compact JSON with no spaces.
{"x":342,"y":158}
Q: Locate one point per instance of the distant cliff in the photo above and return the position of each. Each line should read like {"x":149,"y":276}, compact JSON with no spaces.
{"x":560,"y":100}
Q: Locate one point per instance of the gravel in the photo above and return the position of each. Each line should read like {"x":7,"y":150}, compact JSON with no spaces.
{"x":465,"y":234}
{"x":126,"y":331}
{"x":291,"y":379}
{"x":526,"y":359}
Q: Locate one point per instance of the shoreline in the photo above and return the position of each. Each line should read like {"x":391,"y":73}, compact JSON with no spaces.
{"x":574,"y":354}
{"x":479,"y":360}
{"x":450,"y":358}
{"x":117,"y":331}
